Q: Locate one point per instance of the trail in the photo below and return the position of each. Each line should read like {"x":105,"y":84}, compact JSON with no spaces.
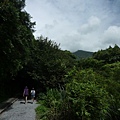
{"x":20,"y":111}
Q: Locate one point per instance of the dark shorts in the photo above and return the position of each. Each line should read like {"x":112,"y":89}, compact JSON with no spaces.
{"x":32,"y":96}
{"x":25,"y":95}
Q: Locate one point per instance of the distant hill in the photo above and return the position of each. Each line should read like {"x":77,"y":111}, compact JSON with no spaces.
{"x":82,"y":54}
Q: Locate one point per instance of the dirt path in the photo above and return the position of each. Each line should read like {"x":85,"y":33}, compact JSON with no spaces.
{"x":20,"y":111}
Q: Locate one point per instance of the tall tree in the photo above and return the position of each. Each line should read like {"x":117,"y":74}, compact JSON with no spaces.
{"x":48,"y":64}
{"x":16,"y":34}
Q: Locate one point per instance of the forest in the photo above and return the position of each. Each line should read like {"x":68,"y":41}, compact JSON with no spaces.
{"x":67,"y":88}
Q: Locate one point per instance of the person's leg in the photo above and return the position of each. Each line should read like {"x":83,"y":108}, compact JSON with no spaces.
{"x":25,"y":99}
{"x":33,"y":98}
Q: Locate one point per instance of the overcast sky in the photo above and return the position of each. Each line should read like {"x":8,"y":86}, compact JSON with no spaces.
{"x":89,"y":25}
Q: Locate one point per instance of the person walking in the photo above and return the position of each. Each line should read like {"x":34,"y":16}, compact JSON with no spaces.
{"x":25,"y":94}
{"x":33,"y":94}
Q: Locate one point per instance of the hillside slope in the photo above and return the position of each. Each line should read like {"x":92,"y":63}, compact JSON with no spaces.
{"x":82,"y":54}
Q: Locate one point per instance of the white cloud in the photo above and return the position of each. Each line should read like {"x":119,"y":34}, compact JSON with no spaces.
{"x":77,"y":24}
{"x":92,"y":25}
{"x":112,"y":35}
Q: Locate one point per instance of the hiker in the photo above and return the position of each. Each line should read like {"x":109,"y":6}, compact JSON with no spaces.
{"x":26,"y":93}
{"x":33,"y":94}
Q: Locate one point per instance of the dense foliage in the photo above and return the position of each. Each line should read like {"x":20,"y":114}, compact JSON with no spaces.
{"x":91,"y":92}
{"x":81,"y":99}
{"x":15,"y":38}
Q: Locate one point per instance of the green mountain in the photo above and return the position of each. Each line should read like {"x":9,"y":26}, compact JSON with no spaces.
{"x":82,"y":54}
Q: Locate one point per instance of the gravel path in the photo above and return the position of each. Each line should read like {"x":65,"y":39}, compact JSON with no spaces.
{"x":20,"y":111}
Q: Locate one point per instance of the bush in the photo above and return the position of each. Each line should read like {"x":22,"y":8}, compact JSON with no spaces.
{"x":88,"y":100}
{"x":82,"y":99}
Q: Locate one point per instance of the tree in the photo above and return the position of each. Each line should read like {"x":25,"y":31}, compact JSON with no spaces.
{"x":110,"y":55}
{"x":48,"y":64}
{"x":16,"y":34}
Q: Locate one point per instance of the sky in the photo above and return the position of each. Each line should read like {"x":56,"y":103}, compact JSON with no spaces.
{"x":89,"y":25}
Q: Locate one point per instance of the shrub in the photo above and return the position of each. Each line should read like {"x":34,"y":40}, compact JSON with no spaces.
{"x":88,"y":100}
